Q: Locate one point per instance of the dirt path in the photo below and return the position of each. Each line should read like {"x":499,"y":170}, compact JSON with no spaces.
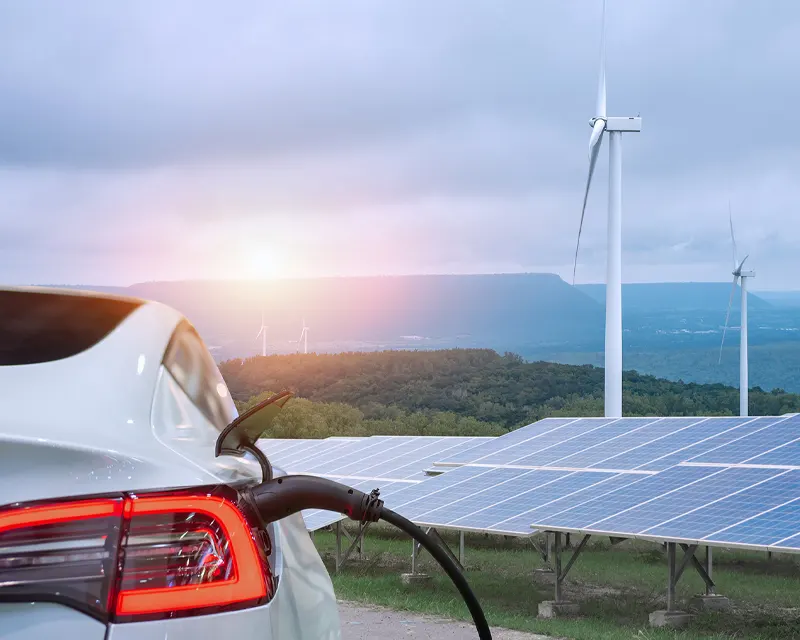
{"x":367,"y":622}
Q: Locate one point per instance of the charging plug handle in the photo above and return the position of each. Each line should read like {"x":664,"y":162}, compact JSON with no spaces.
{"x":286,"y":495}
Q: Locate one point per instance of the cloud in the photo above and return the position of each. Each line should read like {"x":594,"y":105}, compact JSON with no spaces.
{"x":191,"y":139}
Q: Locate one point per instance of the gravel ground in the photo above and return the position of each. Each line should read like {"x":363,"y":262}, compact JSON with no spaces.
{"x":367,"y":622}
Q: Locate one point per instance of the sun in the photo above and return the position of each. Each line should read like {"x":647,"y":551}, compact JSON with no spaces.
{"x":264,"y":263}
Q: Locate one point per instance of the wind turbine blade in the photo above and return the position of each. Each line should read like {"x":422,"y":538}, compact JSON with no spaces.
{"x":260,"y":331}
{"x":733,"y":238}
{"x":600,"y":110}
{"x":595,"y":142}
{"x":739,"y":268}
{"x":727,"y":317}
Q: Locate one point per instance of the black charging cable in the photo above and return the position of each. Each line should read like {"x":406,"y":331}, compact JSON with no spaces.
{"x":286,"y":495}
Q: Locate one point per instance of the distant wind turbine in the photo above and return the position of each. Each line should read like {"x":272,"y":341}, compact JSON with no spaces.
{"x":738,"y":274}
{"x":263,"y":333}
{"x":615,"y":128}
{"x":304,"y":337}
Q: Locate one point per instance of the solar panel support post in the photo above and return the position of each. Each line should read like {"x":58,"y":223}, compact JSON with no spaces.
{"x":559,"y":606}
{"x":461,"y":548}
{"x":672,"y":576}
{"x":356,"y":542}
{"x":676,"y":570}
{"x":703,"y":569}
{"x":338,"y":529}
{"x":561,"y":573}
{"x":709,"y":577}
{"x":445,"y":547}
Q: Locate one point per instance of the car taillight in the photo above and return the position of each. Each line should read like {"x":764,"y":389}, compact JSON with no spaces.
{"x":136,"y":557}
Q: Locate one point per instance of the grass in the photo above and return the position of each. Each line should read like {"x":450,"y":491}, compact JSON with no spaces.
{"x":617,"y":587}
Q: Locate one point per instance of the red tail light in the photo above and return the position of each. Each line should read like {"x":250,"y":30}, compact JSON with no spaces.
{"x":135,"y":557}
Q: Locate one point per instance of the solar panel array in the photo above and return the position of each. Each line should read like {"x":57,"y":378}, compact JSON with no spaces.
{"x":390,"y":463}
{"x":722,"y":481}
{"x":735,"y":482}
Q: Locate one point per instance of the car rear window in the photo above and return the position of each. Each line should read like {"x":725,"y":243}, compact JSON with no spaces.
{"x":40,"y":327}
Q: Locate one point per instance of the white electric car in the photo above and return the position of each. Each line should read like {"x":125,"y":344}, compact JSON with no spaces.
{"x":117,"y":522}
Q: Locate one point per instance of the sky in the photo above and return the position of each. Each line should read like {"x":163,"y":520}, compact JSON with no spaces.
{"x":248,"y":139}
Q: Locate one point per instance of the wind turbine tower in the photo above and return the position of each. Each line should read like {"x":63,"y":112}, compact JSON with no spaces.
{"x":263,"y":333}
{"x":304,"y":337}
{"x":739,"y":275}
{"x":615,"y":126}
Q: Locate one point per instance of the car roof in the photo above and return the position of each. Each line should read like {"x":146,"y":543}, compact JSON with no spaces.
{"x":115,"y":375}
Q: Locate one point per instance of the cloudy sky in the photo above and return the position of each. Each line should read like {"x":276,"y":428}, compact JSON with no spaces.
{"x":187,"y":139}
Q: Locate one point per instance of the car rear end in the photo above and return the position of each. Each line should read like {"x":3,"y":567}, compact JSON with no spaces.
{"x":116,"y":520}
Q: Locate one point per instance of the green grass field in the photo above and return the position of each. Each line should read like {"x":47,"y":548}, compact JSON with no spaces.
{"x":617,"y":587}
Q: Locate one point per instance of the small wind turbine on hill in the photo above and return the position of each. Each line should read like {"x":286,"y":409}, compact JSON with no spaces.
{"x":304,"y":337}
{"x":615,"y":128}
{"x":739,"y":275}
{"x":263,"y":333}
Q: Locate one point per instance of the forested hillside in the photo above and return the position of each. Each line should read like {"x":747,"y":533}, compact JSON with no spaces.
{"x":476,"y":391}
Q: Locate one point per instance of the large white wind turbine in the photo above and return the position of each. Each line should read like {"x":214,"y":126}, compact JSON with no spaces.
{"x":263,"y":333}
{"x":739,"y":275}
{"x":615,"y":127}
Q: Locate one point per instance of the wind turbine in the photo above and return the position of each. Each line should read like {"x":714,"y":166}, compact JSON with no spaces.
{"x":263,"y":333}
{"x":304,"y":337}
{"x":615,"y":126}
{"x":738,"y":274}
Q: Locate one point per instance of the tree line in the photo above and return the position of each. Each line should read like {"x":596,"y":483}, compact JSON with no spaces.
{"x":461,"y":392}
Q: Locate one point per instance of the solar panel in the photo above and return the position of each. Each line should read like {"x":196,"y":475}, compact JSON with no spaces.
{"x":680,"y":445}
{"x":507,"y":440}
{"x":778,"y":527}
{"x":724,"y":480}
{"x":715,"y":517}
{"x":767,"y":435}
{"x":385,"y":462}
{"x":496,"y":505}
{"x":569,"y":440}
{"x":752,"y":507}
{"x":534,"y":439}
{"x":624,"y":443}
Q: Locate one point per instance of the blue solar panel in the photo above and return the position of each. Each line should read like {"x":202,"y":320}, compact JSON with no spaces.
{"x":452,"y":490}
{"x":321,"y":460}
{"x":713,"y":518}
{"x":309,"y":450}
{"x":648,"y":440}
{"x":541,"y":439}
{"x":556,"y":450}
{"x":741,"y":505}
{"x":498,"y":512}
{"x":357,"y":460}
{"x":759,"y":436}
{"x":492,"y":488}
{"x":508,"y":440}
{"x":775,"y":527}
{"x":787,"y":454}
{"x":718,"y":484}
{"x":413,"y":464}
{"x":568,"y":500}
{"x":316,"y":519}
{"x":637,"y":492}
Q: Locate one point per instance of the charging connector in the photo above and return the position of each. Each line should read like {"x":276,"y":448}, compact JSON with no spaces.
{"x":286,"y":495}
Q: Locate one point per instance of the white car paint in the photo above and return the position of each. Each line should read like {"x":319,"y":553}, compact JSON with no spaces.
{"x":112,"y":419}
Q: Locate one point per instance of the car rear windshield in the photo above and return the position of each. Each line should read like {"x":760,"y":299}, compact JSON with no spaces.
{"x":40,"y":327}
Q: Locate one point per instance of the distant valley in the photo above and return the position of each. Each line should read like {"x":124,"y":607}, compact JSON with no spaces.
{"x":671,"y":330}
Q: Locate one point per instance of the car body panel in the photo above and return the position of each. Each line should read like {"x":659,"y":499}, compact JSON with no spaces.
{"x":27,"y":620}
{"x":113,"y":419}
